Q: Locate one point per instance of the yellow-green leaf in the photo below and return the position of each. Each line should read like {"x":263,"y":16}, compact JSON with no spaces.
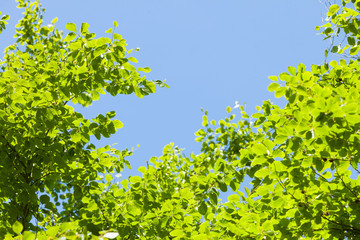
{"x":71,"y":27}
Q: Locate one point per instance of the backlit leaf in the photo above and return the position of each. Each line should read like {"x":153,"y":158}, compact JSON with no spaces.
{"x":17,"y":227}
{"x":84,"y":28}
{"x":234,"y":198}
{"x":333,"y":9}
{"x":273,"y":86}
{"x":279,"y":92}
{"x":118,"y":124}
{"x":71,"y":27}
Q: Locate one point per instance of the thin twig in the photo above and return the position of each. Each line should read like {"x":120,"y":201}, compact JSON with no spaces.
{"x":341,"y":224}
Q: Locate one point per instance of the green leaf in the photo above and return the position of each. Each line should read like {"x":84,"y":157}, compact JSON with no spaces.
{"x":202,"y":208}
{"x":327,"y":175}
{"x":223,"y":187}
{"x":44,"y":199}
{"x":278,"y":153}
{"x":280,"y":92}
{"x":353,"y":118}
{"x":262,"y":173}
{"x":343,"y":63}
{"x":228,"y":109}
{"x":351,"y":41}
{"x":334,"y":64}
{"x":354,"y":50}
{"x":142,"y":169}
{"x":84,"y":28}
{"x":82,"y":69}
{"x":213,"y":198}
{"x":333,"y":9}
{"x":273,"y":78}
{"x":71,"y":36}
{"x":135,"y":179}
{"x":292,"y":70}
{"x":186,"y":193}
{"x":258,"y":161}
{"x":307,"y":162}
{"x":125,"y":183}
{"x":259,"y":149}
{"x":285,"y":76}
{"x":28,"y":235}
{"x":108,"y":178}
{"x":127,"y":163}
{"x":137,"y":90}
{"x":350,"y":108}
{"x":5,"y":17}
{"x":342,"y":166}
{"x":118,"y":124}
{"x":280,"y":139}
{"x":273,"y":86}
{"x":150,"y":86}
{"x":176,"y":233}
{"x":278,"y":203}
{"x":234,"y":198}
{"x":335,"y":49}
{"x":17,"y":227}
{"x":247,"y":191}
{"x":54,"y":20}
{"x":132,"y":59}
{"x":71,"y":27}
{"x":145,"y":69}
{"x":102,"y":41}
{"x":117,"y":36}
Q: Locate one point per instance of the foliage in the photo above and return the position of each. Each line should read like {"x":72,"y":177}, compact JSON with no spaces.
{"x":302,"y":159}
{"x":45,"y":149}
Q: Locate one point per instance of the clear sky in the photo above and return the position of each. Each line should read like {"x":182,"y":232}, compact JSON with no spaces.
{"x":212,"y":53}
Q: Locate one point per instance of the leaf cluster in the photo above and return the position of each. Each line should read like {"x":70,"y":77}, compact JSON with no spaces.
{"x":47,"y":157}
{"x":302,"y":159}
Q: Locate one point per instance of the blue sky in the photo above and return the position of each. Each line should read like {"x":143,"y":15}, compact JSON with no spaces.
{"x":212,"y":53}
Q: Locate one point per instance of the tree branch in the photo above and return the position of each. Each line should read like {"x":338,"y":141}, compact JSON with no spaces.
{"x":348,"y":227}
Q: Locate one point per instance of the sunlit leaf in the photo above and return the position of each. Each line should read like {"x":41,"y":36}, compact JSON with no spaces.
{"x":17,"y":227}
{"x":71,"y":27}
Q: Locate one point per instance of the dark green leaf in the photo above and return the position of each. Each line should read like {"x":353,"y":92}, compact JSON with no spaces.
{"x":202,"y":208}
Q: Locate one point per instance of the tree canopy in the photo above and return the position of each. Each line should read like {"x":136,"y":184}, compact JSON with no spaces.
{"x":302,"y":159}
